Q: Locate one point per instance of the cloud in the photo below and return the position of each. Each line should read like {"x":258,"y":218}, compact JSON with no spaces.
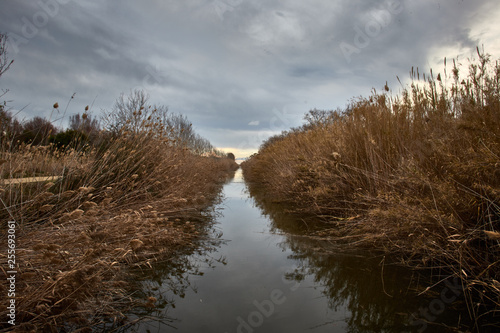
{"x":228,"y":65}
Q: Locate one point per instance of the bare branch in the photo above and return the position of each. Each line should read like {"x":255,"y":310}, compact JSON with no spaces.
{"x":4,"y":60}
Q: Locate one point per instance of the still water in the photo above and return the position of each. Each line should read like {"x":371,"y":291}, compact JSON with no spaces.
{"x":265,"y":277}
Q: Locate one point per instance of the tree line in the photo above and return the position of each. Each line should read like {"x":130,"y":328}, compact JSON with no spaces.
{"x":131,"y":114}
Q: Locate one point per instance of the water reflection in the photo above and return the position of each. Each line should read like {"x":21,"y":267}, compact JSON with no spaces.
{"x":159,"y":288}
{"x":378,"y":297}
{"x":167,"y":283}
{"x":271,"y":277}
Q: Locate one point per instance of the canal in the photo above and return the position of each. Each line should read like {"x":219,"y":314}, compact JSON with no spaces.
{"x":264,"y":276}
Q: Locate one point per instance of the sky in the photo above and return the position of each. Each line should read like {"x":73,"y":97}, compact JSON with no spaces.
{"x":240,"y":70}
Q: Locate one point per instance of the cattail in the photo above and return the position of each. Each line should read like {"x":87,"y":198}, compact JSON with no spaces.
{"x":77,"y":213}
{"x":56,"y":105}
{"x":492,"y":234}
{"x":85,"y":190}
{"x":68,"y":194}
{"x":136,"y":244}
{"x":46,"y":208}
{"x":44,"y":196}
{"x":107,"y":201}
{"x":91,"y":213}
{"x":89,"y":205}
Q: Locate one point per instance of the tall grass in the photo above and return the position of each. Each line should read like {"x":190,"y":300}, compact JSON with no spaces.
{"x":130,"y":200}
{"x":416,"y":175}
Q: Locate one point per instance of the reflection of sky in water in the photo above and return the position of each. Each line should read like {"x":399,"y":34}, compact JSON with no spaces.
{"x":255,"y":267}
{"x":257,"y":263}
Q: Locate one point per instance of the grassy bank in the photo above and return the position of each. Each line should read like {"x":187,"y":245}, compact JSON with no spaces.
{"x":130,"y":198}
{"x":416,"y":175}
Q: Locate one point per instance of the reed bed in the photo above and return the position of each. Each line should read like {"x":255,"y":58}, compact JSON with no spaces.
{"x":131,"y":200}
{"x":415,"y":175}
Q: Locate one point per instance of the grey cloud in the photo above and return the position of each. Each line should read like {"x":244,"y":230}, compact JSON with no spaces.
{"x":227,"y":63}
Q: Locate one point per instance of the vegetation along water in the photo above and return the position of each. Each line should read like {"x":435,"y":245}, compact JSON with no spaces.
{"x":382,"y":216}
{"x":127,"y":191}
{"x":414,"y":176}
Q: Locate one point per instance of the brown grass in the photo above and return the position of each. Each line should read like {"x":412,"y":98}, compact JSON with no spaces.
{"x":417,"y":175}
{"x":130,"y":201}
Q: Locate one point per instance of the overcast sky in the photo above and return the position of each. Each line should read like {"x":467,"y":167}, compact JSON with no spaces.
{"x":240,"y":70}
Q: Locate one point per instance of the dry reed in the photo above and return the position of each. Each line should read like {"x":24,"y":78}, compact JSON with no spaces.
{"x":416,"y":175}
{"x":132,"y":200}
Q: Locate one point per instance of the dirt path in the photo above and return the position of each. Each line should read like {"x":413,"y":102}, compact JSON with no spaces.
{"x":15,"y":181}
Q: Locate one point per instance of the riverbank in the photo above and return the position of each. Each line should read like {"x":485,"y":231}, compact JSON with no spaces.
{"x":132,"y":201}
{"x":415,"y":176}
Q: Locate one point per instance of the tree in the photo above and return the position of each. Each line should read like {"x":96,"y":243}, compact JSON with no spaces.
{"x":38,"y":131}
{"x":231,"y":156}
{"x":70,"y":139}
{"x":181,"y":132}
{"x":132,"y":113}
{"x":84,"y":123}
{"x":4,"y":60}
{"x":317,"y":117}
{"x":9,"y":126}
{"x":180,"y":129}
{"x":201,"y":146}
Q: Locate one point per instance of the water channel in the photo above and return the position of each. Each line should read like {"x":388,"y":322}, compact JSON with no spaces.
{"x":265,"y":278}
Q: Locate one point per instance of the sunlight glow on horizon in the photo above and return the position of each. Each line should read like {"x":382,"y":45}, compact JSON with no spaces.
{"x":239,"y":153}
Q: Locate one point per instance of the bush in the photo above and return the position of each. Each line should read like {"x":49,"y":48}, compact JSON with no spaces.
{"x":70,"y":139}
